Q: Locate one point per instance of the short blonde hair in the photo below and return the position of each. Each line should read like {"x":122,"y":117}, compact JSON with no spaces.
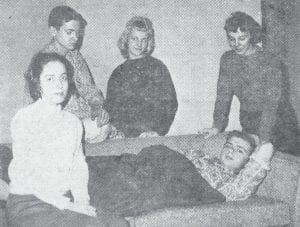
{"x":141,"y":24}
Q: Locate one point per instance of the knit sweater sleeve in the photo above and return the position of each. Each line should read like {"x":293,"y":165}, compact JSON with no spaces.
{"x":21,"y":148}
{"x":272,"y":94}
{"x":79,"y":172}
{"x":114,"y":93}
{"x":168,"y":101}
{"x":224,"y":96}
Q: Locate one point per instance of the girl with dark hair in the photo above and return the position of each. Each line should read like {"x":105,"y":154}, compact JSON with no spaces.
{"x":255,"y":77}
{"x":48,"y":172}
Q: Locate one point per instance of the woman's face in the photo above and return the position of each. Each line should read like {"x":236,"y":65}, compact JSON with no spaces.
{"x":54,"y":82}
{"x":137,"y":44}
{"x":239,"y":41}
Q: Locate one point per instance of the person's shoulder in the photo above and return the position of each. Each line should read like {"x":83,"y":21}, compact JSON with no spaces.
{"x":269,"y":59}
{"x":25,"y":113}
{"x":48,"y":48}
{"x":155,"y":61}
{"x":228,"y":55}
{"x":120,"y":68}
{"x":75,"y":55}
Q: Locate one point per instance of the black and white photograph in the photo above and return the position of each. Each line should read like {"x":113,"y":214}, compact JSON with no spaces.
{"x":149,"y":113}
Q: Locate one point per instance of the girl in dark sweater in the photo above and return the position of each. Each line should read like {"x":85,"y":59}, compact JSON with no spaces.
{"x":255,"y":77}
{"x":141,"y":99}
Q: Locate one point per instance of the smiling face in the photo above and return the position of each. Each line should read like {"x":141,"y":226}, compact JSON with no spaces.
{"x":54,"y":83}
{"x":235,"y":153}
{"x":137,"y":44}
{"x":67,"y":35}
{"x":240,"y":42}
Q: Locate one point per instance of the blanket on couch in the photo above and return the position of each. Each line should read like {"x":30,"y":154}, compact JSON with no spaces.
{"x":156,"y":177}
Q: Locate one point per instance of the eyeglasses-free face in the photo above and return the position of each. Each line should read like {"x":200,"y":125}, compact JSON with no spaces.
{"x":235,"y":153}
{"x":54,"y":82}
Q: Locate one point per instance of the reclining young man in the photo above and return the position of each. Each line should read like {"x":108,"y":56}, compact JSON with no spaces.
{"x":159,"y":177}
{"x":239,"y":170}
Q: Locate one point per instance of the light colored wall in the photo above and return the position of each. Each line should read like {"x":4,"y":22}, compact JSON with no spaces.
{"x":189,"y":39}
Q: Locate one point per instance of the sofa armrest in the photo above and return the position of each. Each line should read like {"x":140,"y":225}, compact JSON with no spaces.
{"x":283,"y":183}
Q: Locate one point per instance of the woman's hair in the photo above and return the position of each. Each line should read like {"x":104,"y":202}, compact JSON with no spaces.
{"x":244,"y":136}
{"x":63,"y":14}
{"x":246,"y":24}
{"x":141,"y":24}
{"x":32,"y":76}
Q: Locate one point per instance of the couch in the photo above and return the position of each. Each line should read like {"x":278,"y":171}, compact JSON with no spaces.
{"x":276,"y":203}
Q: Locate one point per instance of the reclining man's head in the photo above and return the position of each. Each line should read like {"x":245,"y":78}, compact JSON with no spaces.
{"x":237,"y":150}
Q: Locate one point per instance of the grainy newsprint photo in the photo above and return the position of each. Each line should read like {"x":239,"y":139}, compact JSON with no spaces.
{"x":149,"y":113}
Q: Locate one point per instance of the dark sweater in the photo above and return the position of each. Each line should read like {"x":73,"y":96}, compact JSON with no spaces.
{"x":141,"y":97}
{"x":257,"y":82}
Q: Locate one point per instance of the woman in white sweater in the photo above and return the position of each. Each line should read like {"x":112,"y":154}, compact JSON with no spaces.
{"x":48,"y":173}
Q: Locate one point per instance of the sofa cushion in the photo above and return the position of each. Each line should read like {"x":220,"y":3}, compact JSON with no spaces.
{"x":256,"y":211}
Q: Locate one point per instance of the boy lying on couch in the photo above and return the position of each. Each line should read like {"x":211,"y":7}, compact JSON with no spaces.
{"x":159,"y":177}
{"x":239,"y":170}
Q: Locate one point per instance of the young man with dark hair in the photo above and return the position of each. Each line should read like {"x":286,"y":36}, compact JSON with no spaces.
{"x":85,"y":99}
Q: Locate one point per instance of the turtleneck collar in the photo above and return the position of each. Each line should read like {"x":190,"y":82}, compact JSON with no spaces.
{"x":47,"y":107}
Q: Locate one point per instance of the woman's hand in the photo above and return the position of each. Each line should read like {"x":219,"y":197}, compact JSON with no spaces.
{"x":82,"y":208}
{"x":208,"y":132}
{"x":148,"y":134}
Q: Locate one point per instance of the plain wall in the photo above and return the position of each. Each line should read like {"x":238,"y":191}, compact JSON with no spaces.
{"x":190,"y":40}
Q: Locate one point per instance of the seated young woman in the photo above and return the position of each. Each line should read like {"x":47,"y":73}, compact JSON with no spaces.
{"x":141,"y":99}
{"x":239,"y":170}
{"x":48,"y":172}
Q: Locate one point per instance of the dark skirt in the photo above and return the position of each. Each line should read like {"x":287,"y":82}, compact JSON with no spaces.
{"x":29,"y":211}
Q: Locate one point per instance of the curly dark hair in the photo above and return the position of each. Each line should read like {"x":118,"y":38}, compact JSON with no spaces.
{"x":63,"y":14}
{"x":32,"y":76}
{"x":246,"y":23}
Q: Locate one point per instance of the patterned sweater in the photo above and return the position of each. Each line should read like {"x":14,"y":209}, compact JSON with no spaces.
{"x":233,"y":186}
